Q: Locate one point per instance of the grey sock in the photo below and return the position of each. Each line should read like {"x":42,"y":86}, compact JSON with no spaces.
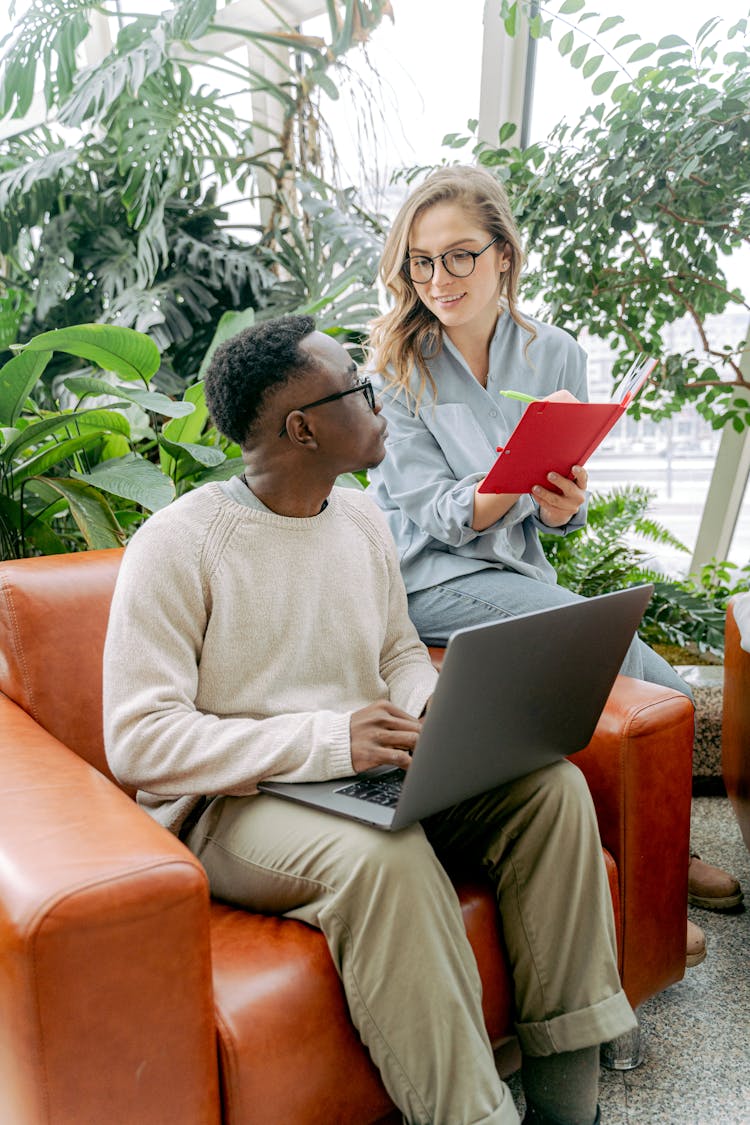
{"x":562,"y":1089}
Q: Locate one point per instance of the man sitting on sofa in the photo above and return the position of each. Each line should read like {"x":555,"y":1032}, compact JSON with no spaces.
{"x":258,"y":630}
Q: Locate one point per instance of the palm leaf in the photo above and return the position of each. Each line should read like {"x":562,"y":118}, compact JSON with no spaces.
{"x":152,"y":254}
{"x":31,"y":169}
{"x":54,"y":265}
{"x":330,"y":260}
{"x":34,"y":171}
{"x":189,"y":19}
{"x":143,"y":46}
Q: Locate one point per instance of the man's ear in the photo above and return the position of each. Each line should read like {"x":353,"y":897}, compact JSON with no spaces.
{"x":300,"y":431}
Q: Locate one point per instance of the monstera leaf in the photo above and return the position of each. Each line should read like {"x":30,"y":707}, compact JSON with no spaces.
{"x":50,"y":34}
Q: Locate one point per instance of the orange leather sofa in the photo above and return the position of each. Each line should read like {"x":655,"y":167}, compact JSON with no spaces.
{"x":127,"y":994}
{"x":735,"y":734}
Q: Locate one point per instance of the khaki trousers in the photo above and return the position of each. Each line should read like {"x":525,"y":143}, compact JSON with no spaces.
{"x":393,"y":924}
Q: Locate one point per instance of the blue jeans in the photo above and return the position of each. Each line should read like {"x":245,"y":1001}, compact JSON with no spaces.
{"x":492,"y":595}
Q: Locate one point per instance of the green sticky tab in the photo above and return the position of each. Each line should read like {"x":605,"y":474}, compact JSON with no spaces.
{"x":519,"y":395}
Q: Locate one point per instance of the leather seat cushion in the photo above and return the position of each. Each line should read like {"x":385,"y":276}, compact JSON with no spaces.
{"x":287,"y":1048}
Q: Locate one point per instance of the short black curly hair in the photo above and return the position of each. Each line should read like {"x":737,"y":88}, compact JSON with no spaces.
{"x":245,"y":367}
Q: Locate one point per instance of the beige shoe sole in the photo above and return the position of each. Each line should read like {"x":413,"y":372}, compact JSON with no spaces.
{"x":729,"y":902}
{"x":694,"y":959}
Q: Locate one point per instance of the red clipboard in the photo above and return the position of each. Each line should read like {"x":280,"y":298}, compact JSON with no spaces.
{"x":550,"y":437}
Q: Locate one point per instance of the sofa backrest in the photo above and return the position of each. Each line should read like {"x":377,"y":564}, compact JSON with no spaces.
{"x":53,"y":620}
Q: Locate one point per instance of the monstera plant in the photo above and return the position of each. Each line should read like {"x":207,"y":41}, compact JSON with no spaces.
{"x":111,"y":208}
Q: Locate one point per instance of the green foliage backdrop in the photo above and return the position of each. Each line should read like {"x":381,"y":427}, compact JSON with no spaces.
{"x":629,"y":214}
{"x":109,"y":208}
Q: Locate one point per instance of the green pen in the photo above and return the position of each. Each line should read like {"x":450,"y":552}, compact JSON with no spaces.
{"x":519,"y":395}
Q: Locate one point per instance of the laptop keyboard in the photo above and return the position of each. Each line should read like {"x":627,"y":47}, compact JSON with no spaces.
{"x":383,"y":790}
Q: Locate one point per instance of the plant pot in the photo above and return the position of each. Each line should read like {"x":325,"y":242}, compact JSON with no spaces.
{"x":706,"y":682}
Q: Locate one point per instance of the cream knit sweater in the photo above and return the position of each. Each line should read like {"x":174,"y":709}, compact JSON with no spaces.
{"x":240,"y":642}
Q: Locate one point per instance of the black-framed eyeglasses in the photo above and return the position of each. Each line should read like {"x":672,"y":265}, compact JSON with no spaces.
{"x":363,"y":385}
{"x":458,"y":263}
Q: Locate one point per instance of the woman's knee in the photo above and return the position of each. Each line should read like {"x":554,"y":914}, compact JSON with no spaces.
{"x":658,"y":671}
{"x":477,"y":599}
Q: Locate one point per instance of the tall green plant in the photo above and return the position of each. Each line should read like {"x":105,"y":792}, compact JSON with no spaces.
{"x":629,"y":213}
{"x":84,"y":475}
{"x":121,"y":223}
{"x":327,"y":262}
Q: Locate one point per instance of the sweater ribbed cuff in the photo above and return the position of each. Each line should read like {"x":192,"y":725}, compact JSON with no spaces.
{"x":339,"y":756}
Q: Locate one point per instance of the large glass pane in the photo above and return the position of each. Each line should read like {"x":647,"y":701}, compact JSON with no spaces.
{"x":418,"y":79}
{"x":674,"y":458}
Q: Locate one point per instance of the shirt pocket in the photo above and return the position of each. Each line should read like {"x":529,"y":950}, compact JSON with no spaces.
{"x":463,"y":442}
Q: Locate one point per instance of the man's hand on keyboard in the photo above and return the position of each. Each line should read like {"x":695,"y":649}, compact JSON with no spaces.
{"x":382,"y":735}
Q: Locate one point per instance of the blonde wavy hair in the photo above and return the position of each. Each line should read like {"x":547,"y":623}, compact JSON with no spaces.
{"x":409,"y":335}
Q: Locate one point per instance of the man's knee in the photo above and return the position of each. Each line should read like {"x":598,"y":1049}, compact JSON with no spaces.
{"x":391,"y":855}
{"x":401,"y":870}
{"x":560,"y":791}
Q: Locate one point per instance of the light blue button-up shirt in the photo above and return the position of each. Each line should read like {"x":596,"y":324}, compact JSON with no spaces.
{"x":436,"y":457}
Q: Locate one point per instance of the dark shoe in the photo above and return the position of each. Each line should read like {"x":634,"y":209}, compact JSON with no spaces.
{"x":696,"y":946}
{"x":623,"y":1053}
{"x":533,"y":1117}
{"x":712,"y":888}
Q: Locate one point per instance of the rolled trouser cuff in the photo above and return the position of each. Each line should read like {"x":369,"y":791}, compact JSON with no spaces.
{"x":571,"y":1031}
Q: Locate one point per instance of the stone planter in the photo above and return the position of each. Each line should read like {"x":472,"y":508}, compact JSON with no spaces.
{"x":707,"y":684}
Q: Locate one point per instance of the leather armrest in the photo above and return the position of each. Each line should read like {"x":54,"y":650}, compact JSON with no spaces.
{"x":105,"y":994}
{"x":639,"y":768}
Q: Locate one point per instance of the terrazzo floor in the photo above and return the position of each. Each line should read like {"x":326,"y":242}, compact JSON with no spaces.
{"x":696,"y":1034}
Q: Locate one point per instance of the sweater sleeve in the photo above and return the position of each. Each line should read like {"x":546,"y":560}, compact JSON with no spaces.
{"x":405,"y":663}
{"x":420,"y":480}
{"x":156,"y":738}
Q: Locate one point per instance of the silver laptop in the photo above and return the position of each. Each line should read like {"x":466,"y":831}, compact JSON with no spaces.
{"x":512,"y":696}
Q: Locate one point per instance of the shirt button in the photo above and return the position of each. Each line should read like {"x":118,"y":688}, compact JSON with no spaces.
{"x":493,"y":414}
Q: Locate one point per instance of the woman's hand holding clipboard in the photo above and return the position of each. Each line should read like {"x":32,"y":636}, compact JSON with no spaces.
{"x":553,"y":435}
